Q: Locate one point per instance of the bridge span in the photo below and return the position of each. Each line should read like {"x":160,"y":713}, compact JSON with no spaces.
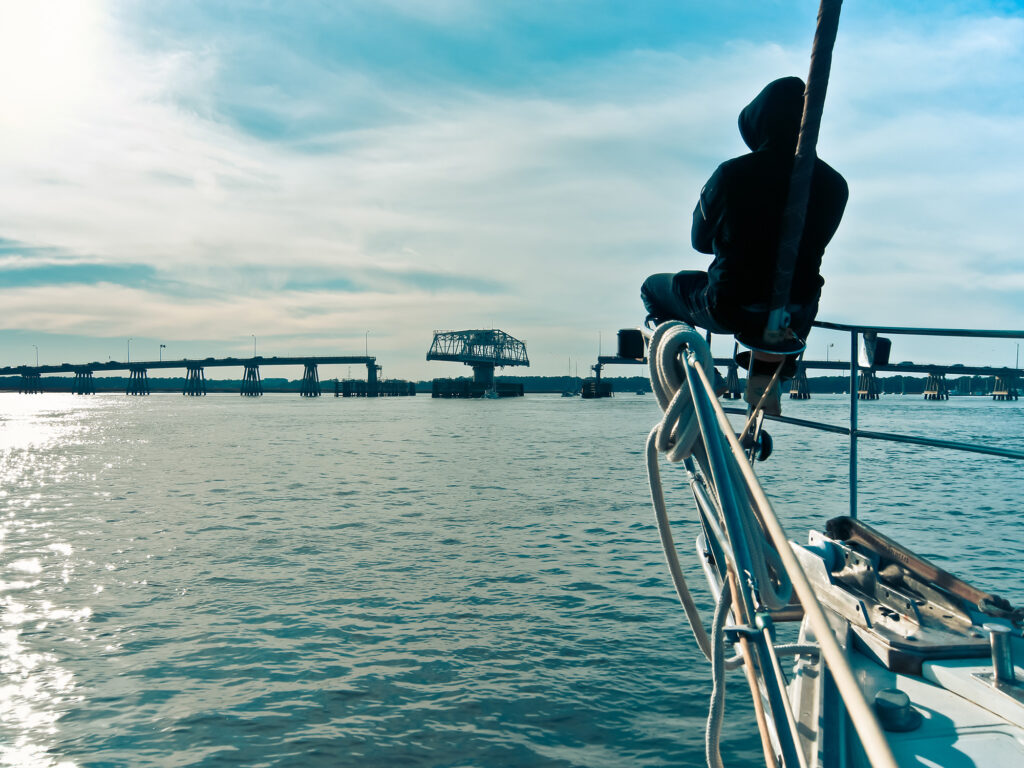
{"x":195,"y":378}
{"x":1006,"y":379}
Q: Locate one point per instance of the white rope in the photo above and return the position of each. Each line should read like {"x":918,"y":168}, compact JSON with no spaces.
{"x":716,"y":711}
{"x":669,"y":548}
{"x":675,"y":436}
{"x":678,"y":431}
{"x":719,"y":665}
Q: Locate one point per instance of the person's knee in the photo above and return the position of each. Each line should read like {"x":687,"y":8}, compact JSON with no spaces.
{"x":649,"y":293}
{"x":657,"y":285}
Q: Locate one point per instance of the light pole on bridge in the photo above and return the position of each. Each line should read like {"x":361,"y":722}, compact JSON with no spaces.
{"x":366,"y":345}
{"x":253,"y":344}
{"x":162,"y":348}
{"x":826,"y":351}
{"x":129,"y":349}
{"x":37,"y":355}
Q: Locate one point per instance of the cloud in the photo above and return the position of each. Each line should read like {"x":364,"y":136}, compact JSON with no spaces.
{"x":257,"y":178}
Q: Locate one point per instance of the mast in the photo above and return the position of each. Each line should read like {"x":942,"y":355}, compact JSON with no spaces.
{"x":795,"y":212}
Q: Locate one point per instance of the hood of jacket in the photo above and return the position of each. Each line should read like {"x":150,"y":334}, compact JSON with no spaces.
{"x":772,"y":119}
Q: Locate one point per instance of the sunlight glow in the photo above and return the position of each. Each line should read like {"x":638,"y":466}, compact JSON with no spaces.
{"x":50,"y":56}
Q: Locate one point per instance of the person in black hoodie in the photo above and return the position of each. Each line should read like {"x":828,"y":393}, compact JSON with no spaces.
{"x":738,"y":218}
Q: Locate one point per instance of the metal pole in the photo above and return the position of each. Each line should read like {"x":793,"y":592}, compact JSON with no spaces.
{"x":729,"y":495}
{"x":161,"y":351}
{"x":253,"y":344}
{"x":129,"y":349}
{"x":366,"y":345}
{"x":37,"y":355}
{"x":795,"y":212}
{"x":853,"y":424}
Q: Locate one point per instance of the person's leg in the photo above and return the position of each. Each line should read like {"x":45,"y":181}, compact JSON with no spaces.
{"x":660,"y":299}
{"x":679,"y":296}
{"x":692,"y":289}
{"x":682,"y":296}
{"x":802,"y":316}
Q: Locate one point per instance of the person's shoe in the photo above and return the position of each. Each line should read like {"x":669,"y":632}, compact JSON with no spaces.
{"x":756,"y":385}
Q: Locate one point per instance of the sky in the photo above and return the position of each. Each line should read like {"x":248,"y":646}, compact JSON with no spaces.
{"x":333,"y":177}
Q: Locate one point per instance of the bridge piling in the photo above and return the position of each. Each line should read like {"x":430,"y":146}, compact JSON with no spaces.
{"x":732,"y":383}
{"x":800,"y":389}
{"x":936,"y":388}
{"x":138,"y":381}
{"x":195,"y":381}
{"x":84,"y":384}
{"x":310,"y":382}
{"x":31,"y":383}
{"x":371,"y":379}
{"x":867,"y":388}
{"x":251,"y":384}
{"x":1005,"y":388}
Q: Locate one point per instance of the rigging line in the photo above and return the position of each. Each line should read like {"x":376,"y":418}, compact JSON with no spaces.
{"x":764,"y":396}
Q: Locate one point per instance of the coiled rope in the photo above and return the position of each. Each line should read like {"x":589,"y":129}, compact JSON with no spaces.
{"x":676,"y":435}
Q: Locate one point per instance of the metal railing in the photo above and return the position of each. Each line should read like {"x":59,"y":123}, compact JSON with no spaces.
{"x":735,"y":487}
{"x":855,"y":433}
{"x":727,"y":492}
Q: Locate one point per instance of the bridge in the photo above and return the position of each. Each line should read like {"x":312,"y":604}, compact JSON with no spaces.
{"x":482,"y":350}
{"x":195,"y":379}
{"x":1005,"y":389}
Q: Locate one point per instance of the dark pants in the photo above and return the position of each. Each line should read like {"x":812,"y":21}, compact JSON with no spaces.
{"x":682,"y":296}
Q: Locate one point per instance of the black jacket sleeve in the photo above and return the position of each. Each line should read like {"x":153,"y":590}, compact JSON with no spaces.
{"x":707,"y":216}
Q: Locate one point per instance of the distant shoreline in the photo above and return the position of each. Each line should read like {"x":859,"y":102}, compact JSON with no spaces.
{"x":896,"y":384}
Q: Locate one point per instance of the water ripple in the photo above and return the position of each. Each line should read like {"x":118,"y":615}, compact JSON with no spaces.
{"x":401,"y":582}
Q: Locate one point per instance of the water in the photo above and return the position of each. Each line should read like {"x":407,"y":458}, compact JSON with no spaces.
{"x":229,"y":581}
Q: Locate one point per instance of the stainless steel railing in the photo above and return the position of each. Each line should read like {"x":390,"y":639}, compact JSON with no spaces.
{"x":726,"y":488}
{"x":735,"y":485}
{"x":853,"y":430}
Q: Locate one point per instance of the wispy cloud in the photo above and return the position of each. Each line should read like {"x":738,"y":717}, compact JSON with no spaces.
{"x":176,"y":172}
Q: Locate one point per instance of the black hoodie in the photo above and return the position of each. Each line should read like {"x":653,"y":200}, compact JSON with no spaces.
{"x":739,"y":213}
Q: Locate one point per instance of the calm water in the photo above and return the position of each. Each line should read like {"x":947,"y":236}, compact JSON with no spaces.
{"x":228,"y":581}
